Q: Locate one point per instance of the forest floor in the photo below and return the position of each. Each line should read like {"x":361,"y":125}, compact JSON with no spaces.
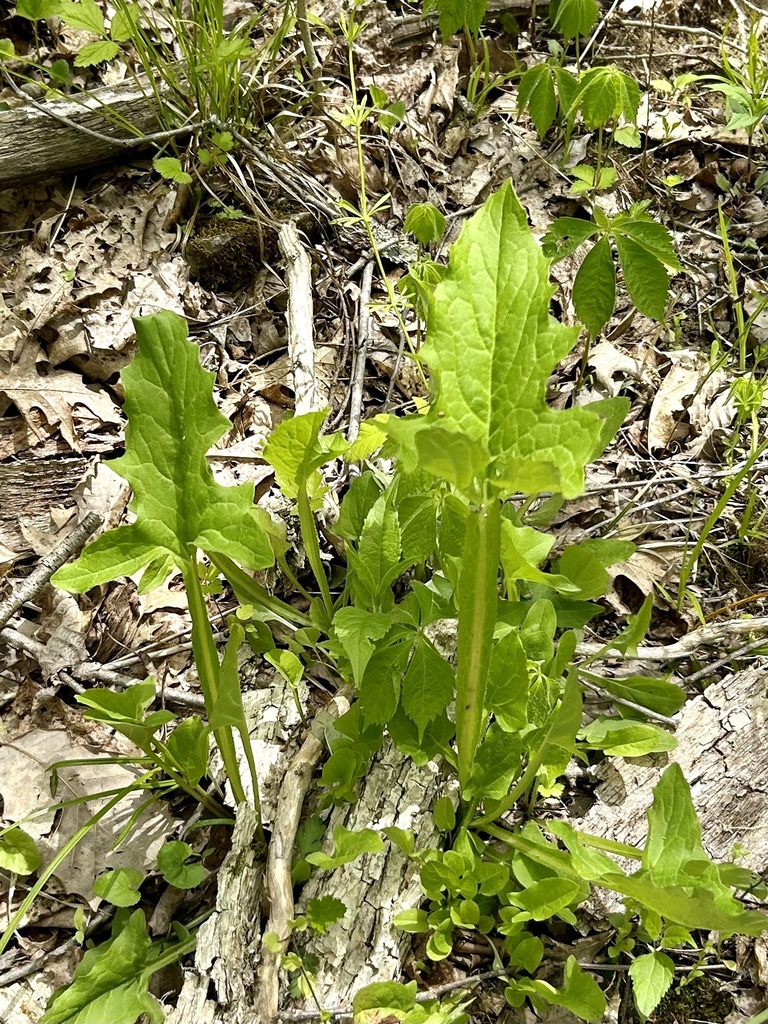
{"x":84,"y":253}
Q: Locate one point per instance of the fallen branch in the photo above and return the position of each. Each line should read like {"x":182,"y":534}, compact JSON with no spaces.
{"x":46,"y":567}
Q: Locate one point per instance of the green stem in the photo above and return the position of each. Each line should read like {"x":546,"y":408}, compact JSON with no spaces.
{"x":312,"y":547}
{"x":478,"y":599}
{"x":61,"y":856}
{"x":248,"y":591}
{"x":207,"y":662}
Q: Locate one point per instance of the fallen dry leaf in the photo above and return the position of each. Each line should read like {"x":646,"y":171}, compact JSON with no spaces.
{"x":56,"y":394}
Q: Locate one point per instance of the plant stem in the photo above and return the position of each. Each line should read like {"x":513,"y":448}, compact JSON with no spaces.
{"x":61,"y":856}
{"x":312,"y":547}
{"x":207,"y":661}
{"x":249,"y":591}
{"x":478,"y":598}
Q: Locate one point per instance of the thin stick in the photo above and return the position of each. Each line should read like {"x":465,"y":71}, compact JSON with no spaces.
{"x":704,"y":636}
{"x":93,"y":672}
{"x":301,"y":345}
{"x":47,"y":566}
{"x":361,"y":353}
{"x":278,"y":882}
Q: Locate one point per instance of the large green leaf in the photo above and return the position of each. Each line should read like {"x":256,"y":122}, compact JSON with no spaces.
{"x":172,"y":423}
{"x":110,"y":982}
{"x":674,"y":831}
{"x":491,"y":347}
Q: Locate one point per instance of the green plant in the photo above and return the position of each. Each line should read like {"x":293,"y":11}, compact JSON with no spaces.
{"x":449,"y":535}
{"x":745,"y":89}
{"x":180,"y":510}
{"x":645,"y":251}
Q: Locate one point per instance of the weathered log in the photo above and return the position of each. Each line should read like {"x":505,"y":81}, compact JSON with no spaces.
{"x":722,"y":752}
{"x":224,"y":985}
{"x":35,"y":143}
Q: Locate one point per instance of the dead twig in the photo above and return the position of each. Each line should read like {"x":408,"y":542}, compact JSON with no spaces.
{"x":93,"y":672}
{"x":301,"y":344}
{"x":361,"y":353}
{"x":47,"y":566}
{"x":704,"y":636}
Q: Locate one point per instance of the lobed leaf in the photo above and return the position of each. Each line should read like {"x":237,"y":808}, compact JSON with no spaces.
{"x":172,"y":423}
{"x":491,"y":347}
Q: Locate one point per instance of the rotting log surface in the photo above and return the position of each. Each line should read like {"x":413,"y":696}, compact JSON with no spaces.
{"x":35,"y":145}
{"x":364,"y":946}
{"x":721,"y":748}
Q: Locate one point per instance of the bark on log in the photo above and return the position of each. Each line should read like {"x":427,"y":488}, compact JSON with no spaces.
{"x":722,"y":752}
{"x":364,"y":946}
{"x":33,"y":480}
{"x":34,"y":145}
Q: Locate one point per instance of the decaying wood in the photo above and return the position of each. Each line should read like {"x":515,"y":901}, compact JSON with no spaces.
{"x":223,"y":986}
{"x":722,"y":751}
{"x":364,"y":946}
{"x":301,"y":347}
{"x":37,"y":479}
{"x":35,"y":145}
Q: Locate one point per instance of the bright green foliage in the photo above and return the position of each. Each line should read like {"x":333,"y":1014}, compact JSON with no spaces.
{"x":585,"y":180}
{"x":425,"y":223}
{"x":626,"y":738}
{"x":172,"y":424}
{"x":188,"y":747}
{"x":656,"y":695}
{"x":170,"y":167}
{"x":37,"y":9}
{"x":179,"y":865}
{"x":546,"y":91}
{"x":674,"y":831}
{"x":119,"y":887}
{"x":491,"y":346}
{"x":603,"y":95}
{"x":573,"y":18}
{"x":348,"y":846}
{"x":19,"y":854}
{"x":382,"y":999}
{"x":645,"y":251}
{"x":651,"y":974}
{"x":322,"y":913}
{"x":456,"y":15}
{"x":84,"y":14}
{"x":111,"y":982}
{"x":96,"y":53}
